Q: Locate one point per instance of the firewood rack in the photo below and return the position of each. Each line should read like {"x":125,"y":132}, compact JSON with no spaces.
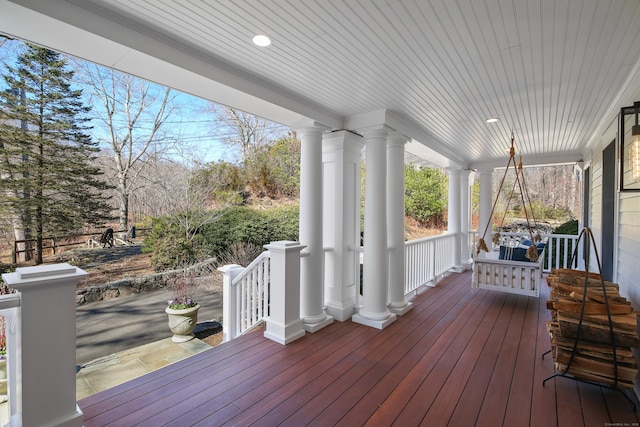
{"x":588,"y":235}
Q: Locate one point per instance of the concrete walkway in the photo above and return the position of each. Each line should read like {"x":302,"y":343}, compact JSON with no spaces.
{"x":109,"y":371}
{"x":114,"y":325}
{"x":123,"y":338}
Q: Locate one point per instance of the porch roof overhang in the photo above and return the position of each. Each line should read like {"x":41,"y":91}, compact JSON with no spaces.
{"x":556,"y":74}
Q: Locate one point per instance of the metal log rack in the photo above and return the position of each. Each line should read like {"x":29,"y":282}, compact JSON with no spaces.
{"x":565,"y":373}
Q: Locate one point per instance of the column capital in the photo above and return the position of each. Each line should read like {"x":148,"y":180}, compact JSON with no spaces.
{"x":373,"y":132}
{"x":310,"y":127}
{"x":396,"y":139}
{"x":485,"y":171}
{"x":341,"y":139}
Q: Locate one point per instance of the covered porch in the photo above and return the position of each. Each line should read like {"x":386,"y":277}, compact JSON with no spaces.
{"x":460,"y":357}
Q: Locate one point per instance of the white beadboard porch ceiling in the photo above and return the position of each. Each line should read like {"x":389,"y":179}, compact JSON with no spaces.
{"x":553,"y":71}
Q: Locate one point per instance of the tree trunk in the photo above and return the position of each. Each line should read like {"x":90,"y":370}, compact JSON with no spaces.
{"x":124,"y":209}
{"x":39,"y":236}
{"x":19,"y":234}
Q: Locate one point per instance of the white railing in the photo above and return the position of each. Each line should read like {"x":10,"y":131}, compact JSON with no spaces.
{"x":558,"y":252}
{"x":10,"y":309}
{"x":248,"y":297}
{"x":426,"y":260}
{"x":247,"y":290}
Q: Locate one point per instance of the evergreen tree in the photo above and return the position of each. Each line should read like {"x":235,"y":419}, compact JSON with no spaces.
{"x":49,"y":179}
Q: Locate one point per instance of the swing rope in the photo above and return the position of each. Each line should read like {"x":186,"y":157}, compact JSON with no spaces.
{"x":532,"y":252}
{"x":537,"y":238}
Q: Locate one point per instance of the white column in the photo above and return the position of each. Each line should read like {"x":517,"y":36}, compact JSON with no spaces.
{"x":454,"y":215}
{"x":374,"y":311}
{"x":341,"y":158}
{"x":311,"y":291}
{"x":284,"y":324}
{"x":395,"y":220}
{"x":486,"y":197}
{"x":46,"y":351}
{"x":465,"y":219}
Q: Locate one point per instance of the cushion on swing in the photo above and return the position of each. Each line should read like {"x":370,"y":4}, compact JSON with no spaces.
{"x":513,"y":254}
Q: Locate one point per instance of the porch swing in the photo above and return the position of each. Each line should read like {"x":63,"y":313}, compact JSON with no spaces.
{"x":515,"y":265}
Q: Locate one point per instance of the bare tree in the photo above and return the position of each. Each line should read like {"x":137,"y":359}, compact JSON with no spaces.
{"x":191,"y":195}
{"x":131,"y":117}
{"x":236,"y":128}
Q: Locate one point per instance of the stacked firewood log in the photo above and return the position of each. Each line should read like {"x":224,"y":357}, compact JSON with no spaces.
{"x":593,"y":359}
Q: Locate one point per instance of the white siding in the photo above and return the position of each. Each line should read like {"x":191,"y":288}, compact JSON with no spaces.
{"x":627,"y":256}
{"x":628,"y":264}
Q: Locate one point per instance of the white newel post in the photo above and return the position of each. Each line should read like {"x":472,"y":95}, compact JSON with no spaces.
{"x":453,"y":223}
{"x":284,"y":324}
{"x":465,"y":254}
{"x":341,"y":158}
{"x":230,"y":299}
{"x":374,"y":311}
{"x":486,"y":195}
{"x":46,"y":356}
{"x":395,"y":220}
{"x":311,"y":292}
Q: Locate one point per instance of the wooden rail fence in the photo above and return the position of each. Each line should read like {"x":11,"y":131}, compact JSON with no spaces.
{"x":56,"y":243}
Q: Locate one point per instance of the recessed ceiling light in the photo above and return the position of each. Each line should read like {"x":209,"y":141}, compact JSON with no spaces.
{"x":261,"y":40}
{"x":492,"y":120}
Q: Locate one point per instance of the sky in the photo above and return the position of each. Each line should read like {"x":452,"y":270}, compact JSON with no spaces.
{"x":190,"y":123}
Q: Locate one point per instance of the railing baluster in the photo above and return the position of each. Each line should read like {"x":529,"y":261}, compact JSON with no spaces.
{"x":426,"y":259}
{"x":252,"y":285}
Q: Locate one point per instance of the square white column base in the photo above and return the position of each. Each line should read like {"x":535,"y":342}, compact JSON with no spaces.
{"x":314,"y":327}
{"x":458,"y":269}
{"x":340,"y":313}
{"x":378,"y":324}
{"x":284,"y":334}
{"x":401,"y":310}
{"x":74,"y":420}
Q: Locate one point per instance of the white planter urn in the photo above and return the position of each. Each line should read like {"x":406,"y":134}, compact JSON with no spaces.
{"x":182,"y":322}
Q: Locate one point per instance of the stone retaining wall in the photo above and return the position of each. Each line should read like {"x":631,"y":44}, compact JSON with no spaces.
{"x":136,"y":285}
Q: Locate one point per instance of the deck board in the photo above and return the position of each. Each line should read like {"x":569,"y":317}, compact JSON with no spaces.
{"x":451,"y":392}
{"x":460,"y":357}
{"x":437,"y":363}
{"x":471,"y":399}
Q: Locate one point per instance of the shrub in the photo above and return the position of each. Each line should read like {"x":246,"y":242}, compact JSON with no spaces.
{"x":240,"y":224}
{"x":236,"y":225}
{"x":227,"y":181}
{"x":425,"y":194}
{"x":240,"y":253}
{"x":569,"y":227}
{"x":273,"y":169}
{"x":169,"y":253}
{"x":285,"y":222}
{"x":169,"y":246}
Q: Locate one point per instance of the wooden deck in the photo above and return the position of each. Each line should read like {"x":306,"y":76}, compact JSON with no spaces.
{"x":459,"y":358}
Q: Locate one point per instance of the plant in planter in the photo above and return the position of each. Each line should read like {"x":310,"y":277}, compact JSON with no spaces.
{"x":4,"y":290}
{"x":183,"y":309}
{"x":3,"y":337}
